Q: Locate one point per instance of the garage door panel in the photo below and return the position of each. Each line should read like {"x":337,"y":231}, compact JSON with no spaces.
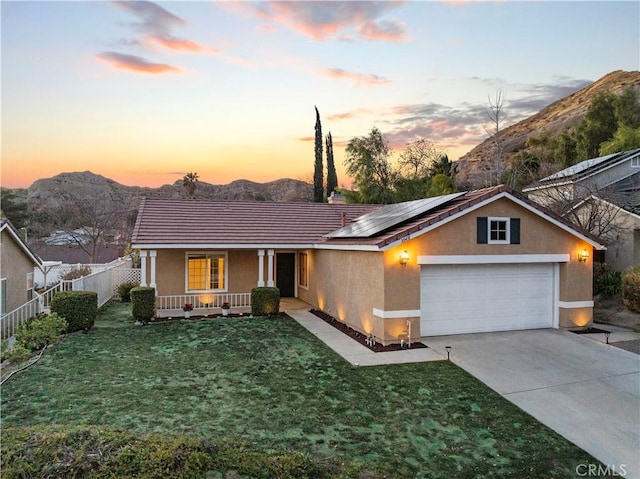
{"x":460,"y":299}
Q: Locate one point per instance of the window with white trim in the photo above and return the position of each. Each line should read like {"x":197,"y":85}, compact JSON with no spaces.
{"x":498,"y":231}
{"x":206,"y":271}
{"x":635,"y":162}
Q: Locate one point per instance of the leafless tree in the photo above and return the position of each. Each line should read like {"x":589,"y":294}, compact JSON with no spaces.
{"x":418,"y":155}
{"x":497,"y":117}
{"x":587,"y":206}
{"x":92,"y":223}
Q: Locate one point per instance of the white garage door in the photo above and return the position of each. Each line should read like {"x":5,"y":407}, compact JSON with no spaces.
{"x":457,"y":299}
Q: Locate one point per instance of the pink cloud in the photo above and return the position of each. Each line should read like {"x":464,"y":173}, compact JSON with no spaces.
{"x":389,"y":31}
{"x":359,"y":79}
{"x":135,"y":64}
{"x":181,"y":44}
{"x":321,"y":20}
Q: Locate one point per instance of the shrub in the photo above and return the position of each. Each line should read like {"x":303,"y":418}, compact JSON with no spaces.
{"x":143,"y":304}
{"x":631,"y":289}
{"x":606,"y":281}
{"x":99,"y":451}
{"x":264,"y":301}
{"x":77,"y":272}
{"x":79,"y":308}
{"x":18,"y":353}
{"x":124,"y":291}
{"x":40,"y":330}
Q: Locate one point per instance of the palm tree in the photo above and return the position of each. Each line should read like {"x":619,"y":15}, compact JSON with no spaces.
{"x":189,"y":182}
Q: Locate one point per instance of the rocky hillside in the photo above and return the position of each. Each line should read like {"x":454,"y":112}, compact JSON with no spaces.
{"x":555,"y":118}
{"x":62,"y":192}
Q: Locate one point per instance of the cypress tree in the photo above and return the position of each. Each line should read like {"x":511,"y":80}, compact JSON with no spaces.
{"x":332,"y":177}
{"x":318,"y":189}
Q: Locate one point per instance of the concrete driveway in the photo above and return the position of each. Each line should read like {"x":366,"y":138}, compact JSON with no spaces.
{"x":587,"y":391}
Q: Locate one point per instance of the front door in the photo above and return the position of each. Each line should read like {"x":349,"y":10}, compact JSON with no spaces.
{"x":286,"y":274}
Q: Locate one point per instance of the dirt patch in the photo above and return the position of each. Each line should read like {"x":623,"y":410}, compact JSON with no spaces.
{"x":362,"y":338}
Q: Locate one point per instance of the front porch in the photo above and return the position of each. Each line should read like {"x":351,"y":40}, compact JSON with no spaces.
{"x":211,"y":304}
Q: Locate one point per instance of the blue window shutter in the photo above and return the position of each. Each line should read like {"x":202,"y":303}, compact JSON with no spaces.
{"x":483,"y":230}
{"x":515,"y":230}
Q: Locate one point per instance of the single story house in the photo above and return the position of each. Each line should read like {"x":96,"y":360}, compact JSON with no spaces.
{"x":17,"y":263}
{"x":485,"y":260}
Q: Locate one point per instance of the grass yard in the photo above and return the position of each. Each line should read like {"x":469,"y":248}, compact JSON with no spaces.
{"x":271,"y":384}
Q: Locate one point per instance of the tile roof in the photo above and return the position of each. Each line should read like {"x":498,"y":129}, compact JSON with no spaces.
{"x":455,"y":206}
{"x":192,"y":222}
{"x":201,"y":222}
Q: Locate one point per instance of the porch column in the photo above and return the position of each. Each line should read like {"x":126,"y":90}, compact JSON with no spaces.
{"x":270,"y":282}
{"x":260,"y":268}
{"x":153,"y":254}
{"x":143,"y":268}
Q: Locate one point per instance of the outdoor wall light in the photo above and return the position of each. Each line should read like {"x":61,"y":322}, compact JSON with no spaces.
{"x":404,"y":258}
{"x":583,"y":256}
{"x":448,"y":348}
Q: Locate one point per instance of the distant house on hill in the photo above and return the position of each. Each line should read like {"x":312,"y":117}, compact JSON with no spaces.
{"x":602,"y":195}
{"x":17,"y":262}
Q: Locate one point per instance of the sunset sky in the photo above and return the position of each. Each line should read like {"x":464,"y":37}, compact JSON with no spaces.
{"x":144,"y":92}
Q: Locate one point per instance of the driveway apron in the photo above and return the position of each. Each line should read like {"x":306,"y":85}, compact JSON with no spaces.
{"x":587,"y":391}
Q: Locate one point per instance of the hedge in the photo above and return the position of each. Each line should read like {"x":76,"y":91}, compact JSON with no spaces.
{"x":631,"y":289}
{"x":265,"y":301}
{"x":124,"y":291}
{"x":143,"y":303}
{"x":78,"y":308}
{"x":101,"y":452}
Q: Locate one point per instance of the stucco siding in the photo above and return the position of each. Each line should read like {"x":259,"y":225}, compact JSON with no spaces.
{"x":347,"y":285}
{"x":458,"y":237}
{"x":14,"y":267}
{"x":171,"y":266}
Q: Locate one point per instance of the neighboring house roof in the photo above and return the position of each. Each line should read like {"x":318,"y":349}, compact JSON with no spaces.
{"x":585,"y":169}
{"x":609,"y":204}
{"x":5,"y":225}
{"x":73,"y":254}
{"x":191,"y":223}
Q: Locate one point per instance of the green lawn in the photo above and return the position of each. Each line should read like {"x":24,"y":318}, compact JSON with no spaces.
{"x":271,"y":384}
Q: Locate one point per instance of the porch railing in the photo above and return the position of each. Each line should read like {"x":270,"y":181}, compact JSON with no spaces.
{"x":203,"y":301}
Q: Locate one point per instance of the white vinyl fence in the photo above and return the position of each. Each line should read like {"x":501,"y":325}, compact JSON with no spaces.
{"x":105,"y":282}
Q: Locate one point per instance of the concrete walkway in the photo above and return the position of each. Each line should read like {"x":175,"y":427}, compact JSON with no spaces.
{"x":582,"y":388}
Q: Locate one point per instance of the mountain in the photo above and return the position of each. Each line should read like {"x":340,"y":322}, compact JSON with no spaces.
{"x":65,"y":191}
{"x":475,"y":166}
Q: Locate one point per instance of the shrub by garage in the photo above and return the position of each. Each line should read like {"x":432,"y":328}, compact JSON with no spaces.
{"x":631,"y":289}
{"x":265,"y":301}
{"x":78,"y":308}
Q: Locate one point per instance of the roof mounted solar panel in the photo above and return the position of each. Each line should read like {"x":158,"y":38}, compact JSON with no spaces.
{"x":389,"y":216}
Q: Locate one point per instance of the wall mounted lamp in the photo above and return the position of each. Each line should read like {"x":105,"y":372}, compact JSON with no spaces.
{"x":404,"y":258}
{"x":583,"y":256}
